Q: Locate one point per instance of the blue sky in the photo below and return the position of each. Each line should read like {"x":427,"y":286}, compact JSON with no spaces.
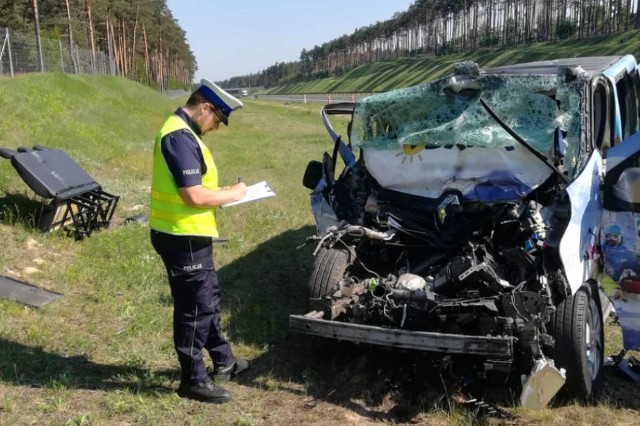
{"x":240,"y":37}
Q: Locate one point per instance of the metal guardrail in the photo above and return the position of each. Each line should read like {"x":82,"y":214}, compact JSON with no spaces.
{"x":306,"y":98}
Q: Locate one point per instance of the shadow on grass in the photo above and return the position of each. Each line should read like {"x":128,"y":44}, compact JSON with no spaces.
{"x":18,"y":208}
{"x":262,"y":288}
{"x":30,"y":366}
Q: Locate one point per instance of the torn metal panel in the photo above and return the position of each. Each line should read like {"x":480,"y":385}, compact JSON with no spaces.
{"x":26,"y":293}
{"x":631,"y":367}
{"x":542,"y":384}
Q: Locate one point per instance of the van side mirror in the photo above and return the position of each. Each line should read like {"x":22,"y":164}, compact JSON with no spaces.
{"x":312,"y":175}
{"x":626,"y":190}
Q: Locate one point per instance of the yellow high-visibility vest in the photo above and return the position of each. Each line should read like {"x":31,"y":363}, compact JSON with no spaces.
{"x":169,"y":212}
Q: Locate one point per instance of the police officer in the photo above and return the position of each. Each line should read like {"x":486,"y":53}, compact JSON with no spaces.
{"x":184,"y":196}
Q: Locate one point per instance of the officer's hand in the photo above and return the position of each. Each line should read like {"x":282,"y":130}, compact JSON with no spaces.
{"x":239,"y":190}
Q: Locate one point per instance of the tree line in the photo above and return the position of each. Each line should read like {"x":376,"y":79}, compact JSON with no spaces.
{"x":440,"y":27}
{"x":143,"y":39}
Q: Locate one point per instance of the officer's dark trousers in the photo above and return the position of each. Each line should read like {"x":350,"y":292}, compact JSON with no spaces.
{"x":196,"y":299}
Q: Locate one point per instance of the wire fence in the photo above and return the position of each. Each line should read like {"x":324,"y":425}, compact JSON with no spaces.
{"x":26,"y":53}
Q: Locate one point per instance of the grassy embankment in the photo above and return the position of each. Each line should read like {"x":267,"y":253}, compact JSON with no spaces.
{"x":402,"y":72}
{"x":103,"y":353}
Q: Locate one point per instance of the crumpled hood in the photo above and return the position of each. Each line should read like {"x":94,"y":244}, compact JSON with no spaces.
{"x":479,"y":173}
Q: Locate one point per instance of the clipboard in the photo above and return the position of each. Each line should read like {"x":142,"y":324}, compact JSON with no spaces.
{"x":257,"y":191}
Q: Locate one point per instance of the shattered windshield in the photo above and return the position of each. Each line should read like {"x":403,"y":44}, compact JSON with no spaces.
{"x":448,"y":113}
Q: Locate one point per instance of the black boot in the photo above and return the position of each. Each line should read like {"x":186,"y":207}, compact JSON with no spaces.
{"x":204,"y":391}
{"x":224,"y":373}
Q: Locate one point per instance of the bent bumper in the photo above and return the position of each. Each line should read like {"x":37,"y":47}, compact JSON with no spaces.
{"x":489,"y":346}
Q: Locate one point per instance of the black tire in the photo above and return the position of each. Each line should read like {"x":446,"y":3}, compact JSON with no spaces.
{"x":579,"y":335}
{"x":328,"y":269}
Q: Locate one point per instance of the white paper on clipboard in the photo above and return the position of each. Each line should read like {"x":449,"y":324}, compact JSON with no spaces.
{"x":255,"y":192}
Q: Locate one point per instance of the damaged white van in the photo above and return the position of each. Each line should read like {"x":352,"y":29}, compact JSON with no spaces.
{"x":466,"y":221}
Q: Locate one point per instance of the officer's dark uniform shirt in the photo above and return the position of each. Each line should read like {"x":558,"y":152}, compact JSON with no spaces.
{"x":182,"y":153}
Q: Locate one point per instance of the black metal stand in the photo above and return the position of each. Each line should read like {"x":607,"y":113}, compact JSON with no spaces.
{"x":80,"y":214}
{"x":79,"y":205}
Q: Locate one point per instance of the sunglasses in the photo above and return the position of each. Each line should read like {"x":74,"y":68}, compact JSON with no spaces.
{"x":217,"y":112}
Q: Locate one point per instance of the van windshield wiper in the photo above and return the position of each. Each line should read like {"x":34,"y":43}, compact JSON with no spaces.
{"x":524,"y":143}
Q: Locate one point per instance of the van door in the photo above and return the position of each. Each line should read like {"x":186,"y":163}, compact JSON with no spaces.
{"x":620,"y":236}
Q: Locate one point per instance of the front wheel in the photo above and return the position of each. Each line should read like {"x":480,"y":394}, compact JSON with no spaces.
{"x":579,"y":334}
{"x":329,"y":268}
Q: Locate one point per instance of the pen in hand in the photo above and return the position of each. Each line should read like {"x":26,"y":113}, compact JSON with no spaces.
{"x":244,"y":187}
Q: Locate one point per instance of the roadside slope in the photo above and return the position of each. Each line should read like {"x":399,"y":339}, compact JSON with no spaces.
{"x":97,"y":120}
{"x":403,"y":72}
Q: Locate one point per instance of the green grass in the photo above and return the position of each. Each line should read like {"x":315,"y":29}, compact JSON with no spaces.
{"x":103,"y":353}
{"x":112,"y":329}
{"x":402,"y":72}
